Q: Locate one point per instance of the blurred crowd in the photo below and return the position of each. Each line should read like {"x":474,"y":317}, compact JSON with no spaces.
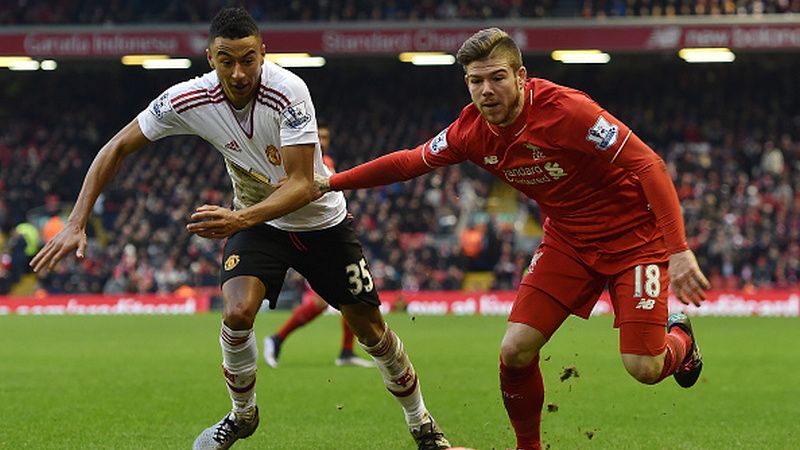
{"x":729,"y":133}
{"x":194,"y":11}
{"x":33,"y":12}
{"x":669,"y":8}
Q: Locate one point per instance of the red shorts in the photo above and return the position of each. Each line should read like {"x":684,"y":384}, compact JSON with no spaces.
{"x":558,"y":285}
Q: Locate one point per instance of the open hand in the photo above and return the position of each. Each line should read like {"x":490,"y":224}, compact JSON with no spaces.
{"x":687,"y":281}
{"x":214,"y":222}
{"x":70,"y":237}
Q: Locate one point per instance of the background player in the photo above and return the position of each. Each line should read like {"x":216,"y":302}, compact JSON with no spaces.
{"x":313,"y":305}
{"x":262,"y":120}
{"x":613,"y":219}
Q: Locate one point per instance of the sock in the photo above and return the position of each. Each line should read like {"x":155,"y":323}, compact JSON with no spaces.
{"x":678,"y":345}
{"x":523,"y":397}
{"x":306,"y":312}
{"x":347,"y":338}
{"x":239,"y":362}
{"x":399,"y":376}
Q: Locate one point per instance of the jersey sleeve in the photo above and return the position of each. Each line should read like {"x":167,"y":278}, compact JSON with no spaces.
{"x":397,"y":166}
{"x":444,"y":149}
{"x":298,"y":122}
{"x":404,"y":164}
{"x":160,"y":120}
{"x":659,"y":190}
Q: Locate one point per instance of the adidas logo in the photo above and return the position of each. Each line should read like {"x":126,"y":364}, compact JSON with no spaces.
{"x":233,"y":146}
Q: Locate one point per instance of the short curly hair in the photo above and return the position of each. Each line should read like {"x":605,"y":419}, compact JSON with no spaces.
{"x":233,"y":23}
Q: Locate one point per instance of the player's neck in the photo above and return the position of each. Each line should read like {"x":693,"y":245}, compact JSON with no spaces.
{"x":240,"y":103}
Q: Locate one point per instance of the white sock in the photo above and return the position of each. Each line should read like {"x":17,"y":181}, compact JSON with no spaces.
{"x":239,"y":363}
{"x":399,"y":376}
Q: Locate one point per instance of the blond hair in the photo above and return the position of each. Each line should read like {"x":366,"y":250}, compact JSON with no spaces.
{"x":489,"y":43}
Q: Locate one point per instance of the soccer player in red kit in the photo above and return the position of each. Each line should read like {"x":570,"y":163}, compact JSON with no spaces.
{"x":313,"y":305}
{"x":613,"y":219}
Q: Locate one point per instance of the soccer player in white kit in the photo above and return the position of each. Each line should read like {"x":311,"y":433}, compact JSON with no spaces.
{"x":261,"y":118}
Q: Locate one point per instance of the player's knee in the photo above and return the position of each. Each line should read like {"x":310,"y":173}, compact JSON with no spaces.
{"x":521,"y":344}
{"x":242,"y":296}
{"x":645,"y":370}
{"x":517,"y":352}
{"x":238,"y":316}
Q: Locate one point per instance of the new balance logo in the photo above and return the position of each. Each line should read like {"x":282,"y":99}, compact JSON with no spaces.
{"x":490,"y":159}
{"x":233,"y":146}
{"x":646,"y":303}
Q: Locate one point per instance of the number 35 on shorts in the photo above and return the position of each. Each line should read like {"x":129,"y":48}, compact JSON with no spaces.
{"x":359,"y":277}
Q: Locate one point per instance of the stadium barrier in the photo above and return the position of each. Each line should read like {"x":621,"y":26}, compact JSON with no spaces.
{"x":777,"y":302}
{"x":122,"y":304}
{"x":763,"y":32}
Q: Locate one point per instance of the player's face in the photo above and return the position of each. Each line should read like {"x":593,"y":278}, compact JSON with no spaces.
{"x":496,"y":89}
{"x":324,"y":138}
{"x":238,"y":65}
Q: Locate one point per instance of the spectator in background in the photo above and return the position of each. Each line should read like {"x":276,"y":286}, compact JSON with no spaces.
{"x":472,"y":243}
{"x":718,"y":159}
{"x":51,"y":228}
{"x":174,"y":11}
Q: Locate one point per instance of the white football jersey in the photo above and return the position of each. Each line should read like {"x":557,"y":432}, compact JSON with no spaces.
{"x":282,"y":114}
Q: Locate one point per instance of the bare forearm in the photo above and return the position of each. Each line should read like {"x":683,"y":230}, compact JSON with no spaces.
{"x":105,"y":165}
{"x":103,"y":168}
{"x":291,"y":196}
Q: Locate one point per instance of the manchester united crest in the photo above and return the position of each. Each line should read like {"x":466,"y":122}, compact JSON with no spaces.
{"x":273,"y":155}
{"x":231,"y":262}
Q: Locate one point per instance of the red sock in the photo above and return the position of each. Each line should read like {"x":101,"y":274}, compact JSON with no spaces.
{"x":301,"y":315}
{"x":347,"y":337}
{"x":523,"y":395}
{"x":678,"y":344}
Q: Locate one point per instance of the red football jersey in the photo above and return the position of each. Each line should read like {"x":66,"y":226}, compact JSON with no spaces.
{"x":584,"y":168}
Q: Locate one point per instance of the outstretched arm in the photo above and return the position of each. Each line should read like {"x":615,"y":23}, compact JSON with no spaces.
{"x":398,"y":166}
{"x":101,"y":172}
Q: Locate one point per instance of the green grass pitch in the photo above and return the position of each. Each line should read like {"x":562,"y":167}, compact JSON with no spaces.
{"x":142,"y":382}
